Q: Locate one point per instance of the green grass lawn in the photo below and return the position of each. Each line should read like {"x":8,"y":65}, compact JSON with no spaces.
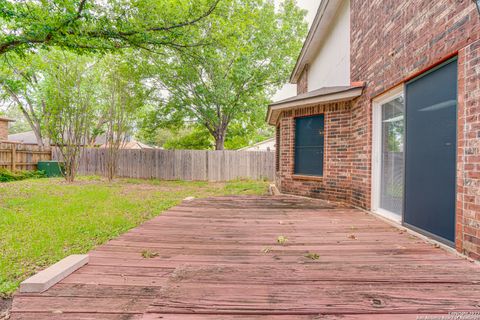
{"x":42,"y":221}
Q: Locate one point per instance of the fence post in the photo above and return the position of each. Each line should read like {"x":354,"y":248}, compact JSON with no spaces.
{"x":184,"y":164}
{"x":14,"y":157}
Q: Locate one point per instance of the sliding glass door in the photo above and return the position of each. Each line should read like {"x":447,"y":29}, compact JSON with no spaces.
{"x":388,"y":170}
{"x":414,"y":153}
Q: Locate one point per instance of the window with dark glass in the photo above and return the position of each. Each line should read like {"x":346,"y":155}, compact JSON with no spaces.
{"x":277,"y":149}
{"x":309,"y":145}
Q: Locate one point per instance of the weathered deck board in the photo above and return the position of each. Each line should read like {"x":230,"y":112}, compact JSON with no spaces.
{"x":212,"y":264}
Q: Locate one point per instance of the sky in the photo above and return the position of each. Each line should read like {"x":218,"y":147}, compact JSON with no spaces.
{"x":290,"y":90}
{"x":311,"y":6}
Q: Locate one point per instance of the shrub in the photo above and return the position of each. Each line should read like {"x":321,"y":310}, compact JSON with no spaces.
{"x":7,"y":175}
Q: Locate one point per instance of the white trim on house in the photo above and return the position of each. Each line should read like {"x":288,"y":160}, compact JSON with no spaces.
{"x":326,"y":14}
{"x":307,"y":100}
{"x":330,"y":66}
{"x":376,"y":151}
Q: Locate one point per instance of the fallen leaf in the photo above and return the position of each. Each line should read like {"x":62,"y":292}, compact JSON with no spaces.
{"x":282,"y":240}
{"x":313,"y":256}
{"x":147,"y":254}
{"x":266,"y":250}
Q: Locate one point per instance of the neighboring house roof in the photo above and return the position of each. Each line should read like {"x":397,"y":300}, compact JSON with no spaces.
{"x":28,"y":137}
{"x":262,"y":145}
{"x":315,"y":97}
{"x":131,"y":145}
{"x":320,"y":28}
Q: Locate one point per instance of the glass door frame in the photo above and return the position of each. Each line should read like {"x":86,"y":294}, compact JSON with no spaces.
{"x":377,"y":104}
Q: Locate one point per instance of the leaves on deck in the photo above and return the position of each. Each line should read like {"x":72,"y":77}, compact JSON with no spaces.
{"x":266,"y":249}
{"x":312,"y":256}
{"x":147,"y":254}
{"x":282,"y":240}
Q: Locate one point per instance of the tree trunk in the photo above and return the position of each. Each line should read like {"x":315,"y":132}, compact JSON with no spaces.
{"x":219,"y":140}
{"x":38,"y":136}
{"x":32,"y":120}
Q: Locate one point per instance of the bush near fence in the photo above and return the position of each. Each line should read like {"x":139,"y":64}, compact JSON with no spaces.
{"x":190,"y":165}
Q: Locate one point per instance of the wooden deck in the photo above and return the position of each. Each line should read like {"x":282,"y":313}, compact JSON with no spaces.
{"x":218,"y":259}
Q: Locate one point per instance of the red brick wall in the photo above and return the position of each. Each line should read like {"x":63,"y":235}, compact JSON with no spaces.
{"x":392,"y":41}
{"x":302,"y":83}
{"x":335,"y":183}
{"x":468,"y":168}
{"x":3,"y":130}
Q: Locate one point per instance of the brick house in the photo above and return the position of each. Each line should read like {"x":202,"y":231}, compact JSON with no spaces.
{"x":387,"y":115}
{"x":4,"y":122}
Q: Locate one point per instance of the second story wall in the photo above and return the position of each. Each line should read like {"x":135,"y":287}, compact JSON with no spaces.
{"x":392,"y":40}
{"x":331,"y":65}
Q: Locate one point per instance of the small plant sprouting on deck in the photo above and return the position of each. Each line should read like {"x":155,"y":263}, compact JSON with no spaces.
{"x":312,"y":256}
{"x":147,"y":254}
{"x":282,"y":240}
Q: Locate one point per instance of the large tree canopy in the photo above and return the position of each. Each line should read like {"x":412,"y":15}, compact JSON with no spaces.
{"x":96,"y":25}
{"x":229,"y":82}
{"x":21,"y":86}
{"x":29,"y":83}
{"x":206,"y":66}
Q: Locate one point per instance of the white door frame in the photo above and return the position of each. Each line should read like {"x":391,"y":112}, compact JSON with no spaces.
{"x":377,"y":148}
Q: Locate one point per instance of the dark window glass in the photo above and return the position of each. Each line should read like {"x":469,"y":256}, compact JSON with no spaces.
{"x":277,"y":149}
{"x":309,"y":145}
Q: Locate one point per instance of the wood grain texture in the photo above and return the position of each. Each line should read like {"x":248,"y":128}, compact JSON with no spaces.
{"x":18,"y":156}
{"x":218,"y":258}
{"x":190,"y":165}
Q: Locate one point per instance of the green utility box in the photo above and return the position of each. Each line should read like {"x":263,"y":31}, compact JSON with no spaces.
{"x":51,"y":168}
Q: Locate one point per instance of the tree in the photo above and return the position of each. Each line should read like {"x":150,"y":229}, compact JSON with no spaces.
{"x":255,"y":48}
{"x":20,"y":83}
{"x":20,"y":125}
{"x":99,"y":26}
{"x":239,"y":136}
{"x":70,"y":95}
{"x":123,"y":96}
{"x":191,"y":138}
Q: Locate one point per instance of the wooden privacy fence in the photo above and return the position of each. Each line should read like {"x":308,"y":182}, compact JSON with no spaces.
{"x":18,"y":156}
{"x":189,"y":165}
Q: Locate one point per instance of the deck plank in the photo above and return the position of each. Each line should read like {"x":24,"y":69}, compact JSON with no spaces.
{"x":218,"y":259}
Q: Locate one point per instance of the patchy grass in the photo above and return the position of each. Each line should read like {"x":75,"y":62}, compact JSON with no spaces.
{"x":42,"y":221}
